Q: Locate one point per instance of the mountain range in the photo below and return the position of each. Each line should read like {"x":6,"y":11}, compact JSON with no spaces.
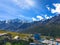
{"x":48,"y":26}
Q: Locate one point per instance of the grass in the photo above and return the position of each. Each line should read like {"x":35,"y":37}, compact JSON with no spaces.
{"x":17,"y":43}
{"x":21,"y":35}
{"x":8,"y":43}
{"x":15,"y":34}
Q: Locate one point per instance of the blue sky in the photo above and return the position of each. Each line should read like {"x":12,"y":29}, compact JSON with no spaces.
{"x":32,"y":10}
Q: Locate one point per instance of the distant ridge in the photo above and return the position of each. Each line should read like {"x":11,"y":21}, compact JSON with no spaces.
{"x":48,"y":26}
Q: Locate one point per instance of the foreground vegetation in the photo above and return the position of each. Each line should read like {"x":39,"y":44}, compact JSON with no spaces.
{"x":15,"y":43}
{"x":8,"y":38}
{"x":5,"y":40}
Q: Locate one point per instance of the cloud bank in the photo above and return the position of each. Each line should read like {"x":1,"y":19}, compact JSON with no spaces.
{"x":24,"y":4}
{"x":39,"y":18}
{"x":57,"y":8}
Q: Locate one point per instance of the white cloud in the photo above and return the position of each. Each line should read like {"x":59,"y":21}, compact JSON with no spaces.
{"x":24,"y":4}
{"x":57,"y":8}
{"x":48,"y":17}
{"x":48,"y":7}
{"x":34,"y":19}
{"x":37,"y":18}
{"x":40,"y":17}
{"x":51,"y":16}
{"x":30,"y":2}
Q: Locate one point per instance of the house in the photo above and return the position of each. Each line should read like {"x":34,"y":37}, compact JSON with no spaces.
{"x":16,"y":38}
{"x":50,"y":42}
{"x":58,"y":39}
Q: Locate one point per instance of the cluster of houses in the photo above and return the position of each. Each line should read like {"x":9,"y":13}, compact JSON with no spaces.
{"x":51,"y":42}
{"x":8,"y":37}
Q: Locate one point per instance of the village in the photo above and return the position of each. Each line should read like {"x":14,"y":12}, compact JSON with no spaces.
{"x":29,"y":40}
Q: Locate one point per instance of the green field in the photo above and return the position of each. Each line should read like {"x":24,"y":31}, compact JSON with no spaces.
{"x":14,"y":42}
